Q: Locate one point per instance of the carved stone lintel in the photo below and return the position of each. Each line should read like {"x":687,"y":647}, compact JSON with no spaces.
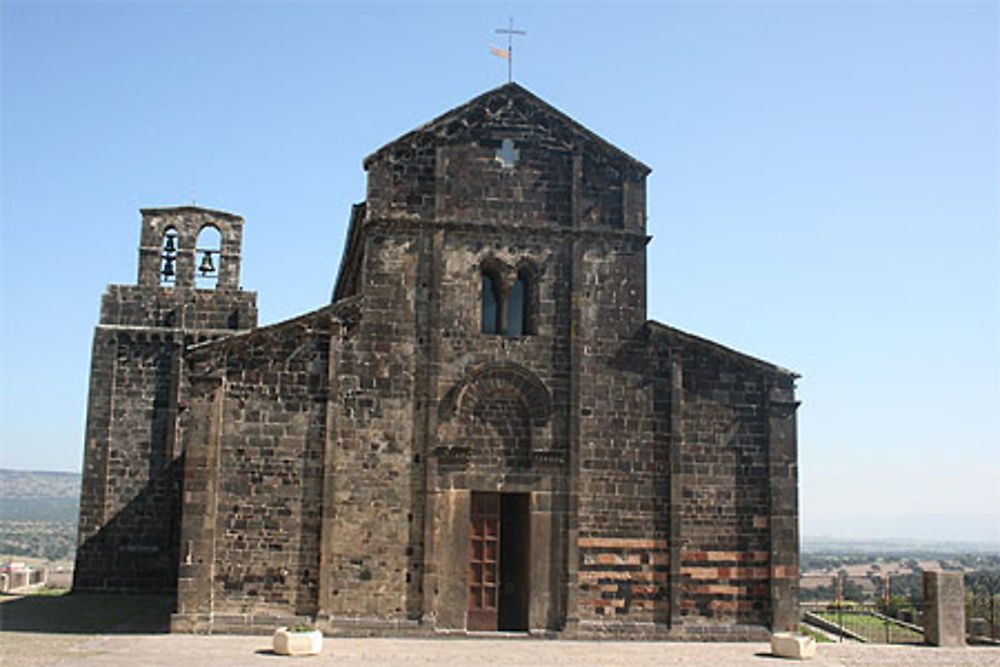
{"x":548,"y":457}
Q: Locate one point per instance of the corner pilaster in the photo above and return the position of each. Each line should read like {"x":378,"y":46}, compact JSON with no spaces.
{"x":784,"y":503}
{"x":199,"y":506}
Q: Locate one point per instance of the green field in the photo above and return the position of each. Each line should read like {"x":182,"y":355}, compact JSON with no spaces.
{"x":873,"y":629}
{"x":815,"y":634}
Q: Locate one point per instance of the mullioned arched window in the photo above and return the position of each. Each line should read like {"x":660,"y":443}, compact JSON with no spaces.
{"x":490,"y":310}
{"x":520,"y":305}
{"x":507,"y":311}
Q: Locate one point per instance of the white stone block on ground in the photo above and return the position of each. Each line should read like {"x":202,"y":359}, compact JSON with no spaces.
{"x":289,"y":642}
{"x":789,"y":645}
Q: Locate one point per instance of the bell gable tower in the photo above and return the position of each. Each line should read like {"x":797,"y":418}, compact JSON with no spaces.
{"x":188,"y":292}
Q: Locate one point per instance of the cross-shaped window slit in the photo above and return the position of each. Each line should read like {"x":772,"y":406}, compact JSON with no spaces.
{"x":508,"y":155}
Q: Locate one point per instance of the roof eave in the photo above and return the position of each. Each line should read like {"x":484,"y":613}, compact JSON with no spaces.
{"x":728,"y":351}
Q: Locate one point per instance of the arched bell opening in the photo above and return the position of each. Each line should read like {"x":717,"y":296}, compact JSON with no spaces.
{"x":208,"y":257}
{"x":168,"y":257}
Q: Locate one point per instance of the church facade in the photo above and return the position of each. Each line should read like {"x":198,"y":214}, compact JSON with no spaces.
{"x":481,"y":431}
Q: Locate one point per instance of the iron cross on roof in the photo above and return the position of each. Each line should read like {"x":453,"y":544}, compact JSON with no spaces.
{"x":510,"y":32}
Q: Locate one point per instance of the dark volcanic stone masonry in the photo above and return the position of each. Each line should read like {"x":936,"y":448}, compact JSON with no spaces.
{"x":481,"y":432}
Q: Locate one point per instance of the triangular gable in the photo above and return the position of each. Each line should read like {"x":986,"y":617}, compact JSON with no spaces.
{"x":509,"y":106}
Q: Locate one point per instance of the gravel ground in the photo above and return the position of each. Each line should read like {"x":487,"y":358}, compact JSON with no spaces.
{"x":26,"y":648}
{"x":130,"y":630}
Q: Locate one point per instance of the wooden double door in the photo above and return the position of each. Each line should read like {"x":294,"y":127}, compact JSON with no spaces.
{"x":499,"y":549}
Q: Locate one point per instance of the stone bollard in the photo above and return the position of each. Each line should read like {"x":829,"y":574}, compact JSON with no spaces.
{"x":944,"y":608}
{"x":791,"y":645}
{"x":297,"y":640}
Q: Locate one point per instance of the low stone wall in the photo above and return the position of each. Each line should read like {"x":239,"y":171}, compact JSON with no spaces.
{"x":11,"y":582}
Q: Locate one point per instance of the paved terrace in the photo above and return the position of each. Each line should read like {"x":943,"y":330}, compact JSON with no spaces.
{"x":78,"y":630}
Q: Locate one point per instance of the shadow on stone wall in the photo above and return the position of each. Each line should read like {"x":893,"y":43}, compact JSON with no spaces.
{"x":136,"y":551}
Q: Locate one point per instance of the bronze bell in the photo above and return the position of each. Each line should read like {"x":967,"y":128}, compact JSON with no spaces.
{"x":168,"y":267}
{"x":169,"y":245}
{"x":207,"y":266}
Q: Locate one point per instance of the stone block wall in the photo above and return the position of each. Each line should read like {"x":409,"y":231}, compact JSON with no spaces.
{"x":623,"y":429}
{"x":622,"y":581}
{"x":271,"y":447}
{"x":477,"y":188}
{"x":734,"y":486}
{"x":129,"y":519}
{"x":188,"y":309}
{"x":372,"y":536}
{"x":254,"y":484}
{"x":687,"y":523}
{"x":725,"y":491}
{"x":130,"y":495}
{"x":622,"y":492}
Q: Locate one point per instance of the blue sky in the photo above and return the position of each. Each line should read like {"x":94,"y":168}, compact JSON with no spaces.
{"x":824,"y":195}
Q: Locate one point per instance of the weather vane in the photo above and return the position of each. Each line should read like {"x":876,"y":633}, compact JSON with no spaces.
{"x":508,"y":53}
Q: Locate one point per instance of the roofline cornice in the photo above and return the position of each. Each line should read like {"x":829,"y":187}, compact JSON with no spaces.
{"x":168,"y":210}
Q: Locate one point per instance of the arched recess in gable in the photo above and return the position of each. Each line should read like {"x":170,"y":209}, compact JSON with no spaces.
{"x":481,"y":379}
{"x":497,"y":414}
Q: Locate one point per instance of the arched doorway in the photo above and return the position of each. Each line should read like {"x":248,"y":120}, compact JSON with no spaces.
{"x":499,"y":507}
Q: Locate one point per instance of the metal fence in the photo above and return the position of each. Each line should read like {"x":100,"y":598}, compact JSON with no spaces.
{"x":866,"y":609}
{"x":888,"y":608}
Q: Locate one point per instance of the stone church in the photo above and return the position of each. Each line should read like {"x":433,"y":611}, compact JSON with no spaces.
{"x":480,"y":432}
